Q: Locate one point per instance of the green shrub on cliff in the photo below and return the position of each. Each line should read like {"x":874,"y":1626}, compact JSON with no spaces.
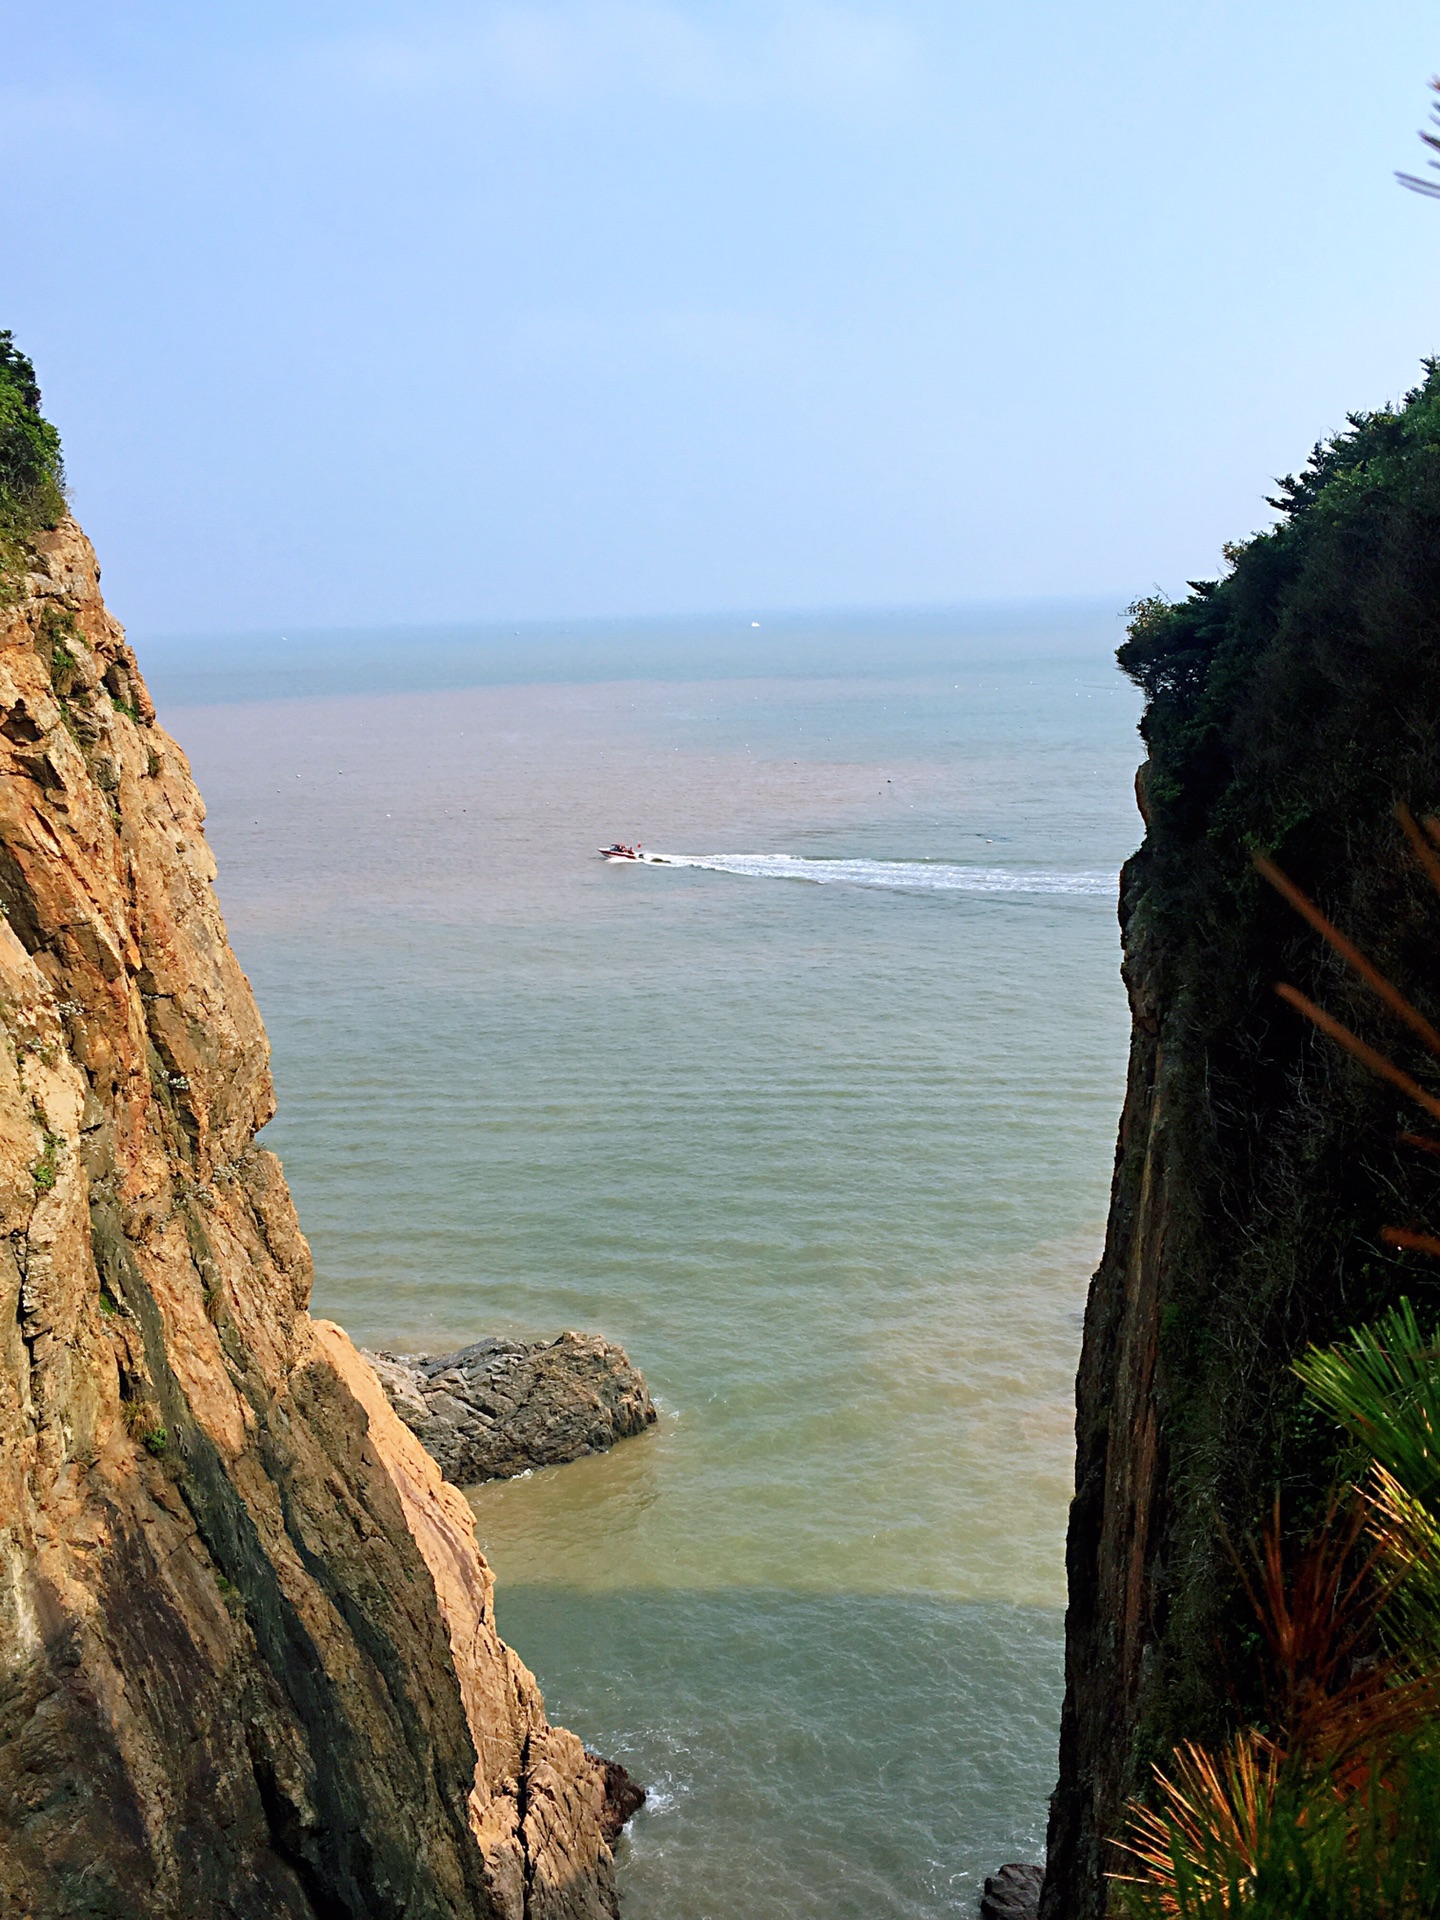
{"x":32,"y":475}
{"x":1341,"y":596}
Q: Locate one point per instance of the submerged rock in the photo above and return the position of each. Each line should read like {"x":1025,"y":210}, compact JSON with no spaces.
{"x":500,"y":1407}
{"x":1013,"y":1893}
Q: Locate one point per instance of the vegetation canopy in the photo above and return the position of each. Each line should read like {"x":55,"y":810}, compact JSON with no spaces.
{"x":32,"y":474}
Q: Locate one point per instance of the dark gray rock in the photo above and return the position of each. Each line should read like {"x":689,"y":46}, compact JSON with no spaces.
{"x":500,"y":1407}
{"x":1013,"y":1893}
{"x":624,"y":1797}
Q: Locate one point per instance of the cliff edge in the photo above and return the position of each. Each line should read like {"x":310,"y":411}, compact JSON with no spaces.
{"x":1290,"y":706}
{"x":248,"y":1656}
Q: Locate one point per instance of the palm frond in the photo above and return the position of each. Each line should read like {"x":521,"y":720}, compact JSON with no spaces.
{"x":1383,"y":1386}
{"x":1205,"y":1840}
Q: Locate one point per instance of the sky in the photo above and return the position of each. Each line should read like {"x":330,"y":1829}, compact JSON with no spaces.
{"x":373,"y":313}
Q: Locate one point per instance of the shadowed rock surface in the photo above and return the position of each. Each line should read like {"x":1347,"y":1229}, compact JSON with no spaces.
{"x":500,"y":1407}
{"x":1013,"y":1893}
{"x":1289,"y":707}
{"x":249,"y":1668}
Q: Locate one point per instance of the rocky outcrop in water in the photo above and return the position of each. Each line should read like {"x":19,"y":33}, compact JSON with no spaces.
{"x":1013,"y":1893}
{"x":501,"y":1407}
{"x":1289,"y":707}
{"x":248,"y":1659}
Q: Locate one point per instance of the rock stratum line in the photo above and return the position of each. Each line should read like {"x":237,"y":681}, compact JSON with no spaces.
{"x":248,"y":1657}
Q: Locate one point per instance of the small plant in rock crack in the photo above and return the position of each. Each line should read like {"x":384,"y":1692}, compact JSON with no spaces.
{"x":138,"y":1414}
{"x":46,"y":1170}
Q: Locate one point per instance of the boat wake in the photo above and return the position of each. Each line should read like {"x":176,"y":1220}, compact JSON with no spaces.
{"x":896,"y":876}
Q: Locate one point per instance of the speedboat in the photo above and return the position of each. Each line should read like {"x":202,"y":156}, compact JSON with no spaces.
{"x":621,"y":852}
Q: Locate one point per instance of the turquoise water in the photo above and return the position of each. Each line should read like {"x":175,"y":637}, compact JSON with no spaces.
{"x":819,"y":1126}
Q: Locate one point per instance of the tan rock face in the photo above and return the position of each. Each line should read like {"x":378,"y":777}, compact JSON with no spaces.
{"x":248,"y":1659}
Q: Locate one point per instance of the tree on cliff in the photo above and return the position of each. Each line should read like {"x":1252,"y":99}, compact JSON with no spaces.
{"x":32,"y":474}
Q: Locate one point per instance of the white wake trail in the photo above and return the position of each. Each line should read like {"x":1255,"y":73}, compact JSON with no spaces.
{"x":900,"y":876}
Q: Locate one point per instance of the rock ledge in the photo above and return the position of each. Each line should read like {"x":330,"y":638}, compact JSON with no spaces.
{"x":500,"y":1407}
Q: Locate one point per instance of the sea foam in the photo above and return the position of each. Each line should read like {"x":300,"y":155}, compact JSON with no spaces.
{"x":903,"y":876}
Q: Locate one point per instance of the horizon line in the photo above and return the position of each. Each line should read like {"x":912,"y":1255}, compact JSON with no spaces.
{"x":989,"y":606}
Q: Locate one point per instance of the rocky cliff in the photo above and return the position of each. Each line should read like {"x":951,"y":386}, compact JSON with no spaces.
{"x":1290,"y":706}
{"x":248,"y":1657}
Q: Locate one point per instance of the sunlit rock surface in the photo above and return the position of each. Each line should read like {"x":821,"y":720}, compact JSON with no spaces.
{"x":248,"y":1658}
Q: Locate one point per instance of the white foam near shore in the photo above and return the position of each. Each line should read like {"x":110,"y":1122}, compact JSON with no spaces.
{"x":904,"y":876}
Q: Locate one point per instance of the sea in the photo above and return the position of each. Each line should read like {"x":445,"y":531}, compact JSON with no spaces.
{"x":817,"y":1119}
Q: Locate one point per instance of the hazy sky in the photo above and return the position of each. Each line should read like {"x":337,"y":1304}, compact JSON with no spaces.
{"x":372,"y":312}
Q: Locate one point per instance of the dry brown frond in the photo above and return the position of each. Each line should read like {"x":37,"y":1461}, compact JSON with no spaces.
{"x":1421,"y":845}
{"x":1377,"y":1062}
{"x":1350,"y":953}
{"x":1416,"y":1242}
{"x":1212,"y":1814}
{"x":1426,"y":848}
{"x":1333,"y":1699}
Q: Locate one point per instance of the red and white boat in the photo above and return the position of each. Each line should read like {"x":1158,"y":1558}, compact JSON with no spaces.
{"x":622,"y":852}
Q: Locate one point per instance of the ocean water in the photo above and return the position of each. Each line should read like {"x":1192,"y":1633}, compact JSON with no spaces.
{"x":816,"y":1117}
